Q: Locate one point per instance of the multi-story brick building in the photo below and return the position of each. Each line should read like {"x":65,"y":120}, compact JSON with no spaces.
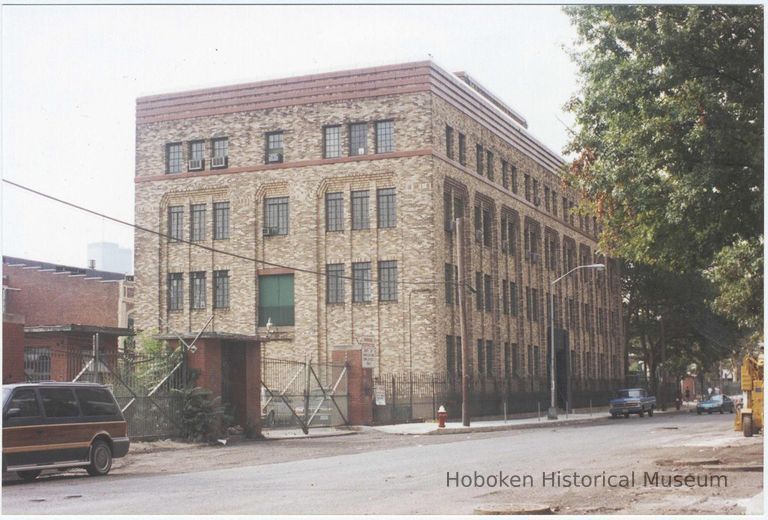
{"x":52,"y":312}
{"x":324,"y":205}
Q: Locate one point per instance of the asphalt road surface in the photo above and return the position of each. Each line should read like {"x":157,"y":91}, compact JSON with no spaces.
{"x":413,"y":478}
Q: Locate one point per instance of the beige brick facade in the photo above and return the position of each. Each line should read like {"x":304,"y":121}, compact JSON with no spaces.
{"x":411,"y":332}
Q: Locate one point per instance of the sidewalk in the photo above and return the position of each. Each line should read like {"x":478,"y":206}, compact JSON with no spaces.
{"x":431,"y":428}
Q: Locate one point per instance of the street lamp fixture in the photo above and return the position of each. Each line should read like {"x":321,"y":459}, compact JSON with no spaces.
{"x":552,"y":412}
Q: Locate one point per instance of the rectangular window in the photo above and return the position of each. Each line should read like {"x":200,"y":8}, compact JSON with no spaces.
{"x":535,"y":304}
{"x":358,"y":139}
{"x":361,"y":282}
{"x":462,"y":149}
{"x":448,"y":142}
{"x":386,"y":206}
{"x":334,"y":283}
{"x":221,"y":289}
{"x":360,"y":216}
{"x":388,"y":281}
{"x":59,"y":402}
{"x":173,"y":157}
{"x":220,"y":147}
{"x":197,"y":222}
{"x":479,"y":302}
{"x":536,"y":200}
{"x":96,"y":402}
{"x":536,"y":360}
{"x":489,"y":164}
{"x":450,"y":355}
{"x":488,"y":293}
{"x":546,"y":197}
{"x":479,"y":159}
{"x":332,"y":142}
{"x":528,"y":307}
{"x":276,"y":300}
{"x":449,"y":283}
{"x":220,"y":152}
{"x":478,"y":223}
{"x":513,"y":298}
{"x":196,"y":155}
{"x":480,"y":357}
{"x":554,"y":202}
{"x":334,"y":211}
{"x":489,"y":358}
{"x":197,"y":290}
{"x":276,"y":216}
{"x":385,"y":136}
{"x":175,"y":291}
{"x":505,"y":174}
{"x":197,"y":150}
{"x":513,"y":178}
{"x":175,"y":223}
{"x":220,"y":220}
{"x":527,"y":183}
{"x":37,"y":364}
{"x":487,"y":223}
{"x":274,"y":148}
{"x":505,"y":297}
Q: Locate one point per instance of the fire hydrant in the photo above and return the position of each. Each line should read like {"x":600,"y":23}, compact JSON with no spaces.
{"x":442,"y":415}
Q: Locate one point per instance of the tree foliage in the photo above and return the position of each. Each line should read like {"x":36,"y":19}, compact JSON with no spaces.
{"x":669,"y":141}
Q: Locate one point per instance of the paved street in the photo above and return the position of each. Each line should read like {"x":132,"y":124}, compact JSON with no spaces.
{"x":379,"y":473}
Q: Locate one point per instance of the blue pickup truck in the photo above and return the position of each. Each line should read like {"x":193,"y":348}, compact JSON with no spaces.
{"x":632,"y":400}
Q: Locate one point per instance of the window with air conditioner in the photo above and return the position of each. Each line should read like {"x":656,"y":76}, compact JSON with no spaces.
{"x":196,"y":156}
{"x":220,"y":149}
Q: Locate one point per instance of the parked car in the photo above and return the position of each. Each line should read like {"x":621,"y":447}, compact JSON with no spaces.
{"x":61,"y":425}
{"x":632,"y":400}
{"x":716,"y":403}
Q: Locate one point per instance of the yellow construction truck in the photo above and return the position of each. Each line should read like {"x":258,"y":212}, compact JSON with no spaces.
{"x":749,"y":419}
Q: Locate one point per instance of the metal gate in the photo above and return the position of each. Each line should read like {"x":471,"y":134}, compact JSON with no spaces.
{"x":304,"y":395}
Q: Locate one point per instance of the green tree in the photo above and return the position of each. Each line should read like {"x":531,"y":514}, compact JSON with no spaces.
{"x":669,"y":140}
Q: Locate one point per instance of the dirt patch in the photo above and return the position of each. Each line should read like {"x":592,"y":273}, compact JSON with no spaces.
{"x":715,"y":490}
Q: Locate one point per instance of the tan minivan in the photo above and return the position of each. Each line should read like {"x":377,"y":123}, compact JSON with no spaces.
{"x":61,"y":425}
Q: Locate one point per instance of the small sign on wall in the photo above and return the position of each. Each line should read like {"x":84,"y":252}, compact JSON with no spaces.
{"x":380,"y":395}
{"x":368,"y":351}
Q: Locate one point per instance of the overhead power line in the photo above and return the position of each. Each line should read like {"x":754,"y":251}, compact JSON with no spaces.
{"x":198,"y":244}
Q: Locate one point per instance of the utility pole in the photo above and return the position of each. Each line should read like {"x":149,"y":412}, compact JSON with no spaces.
{"x":462,"y":323}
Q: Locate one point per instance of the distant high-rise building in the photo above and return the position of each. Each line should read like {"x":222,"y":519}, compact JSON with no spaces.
{"x":108,"y":256}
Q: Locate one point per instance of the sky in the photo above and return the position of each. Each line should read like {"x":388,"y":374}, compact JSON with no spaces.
{"x":71,"y":76}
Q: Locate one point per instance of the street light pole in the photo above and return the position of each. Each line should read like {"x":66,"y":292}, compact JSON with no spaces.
{"x":552,"y":412}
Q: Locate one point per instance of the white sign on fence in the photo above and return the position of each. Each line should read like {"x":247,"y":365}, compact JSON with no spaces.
{"x":379,"y":395}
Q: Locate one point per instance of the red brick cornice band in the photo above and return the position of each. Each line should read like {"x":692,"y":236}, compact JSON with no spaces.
{"x":344,"y":85}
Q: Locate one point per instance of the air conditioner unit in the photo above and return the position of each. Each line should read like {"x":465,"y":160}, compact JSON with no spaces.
{"x":274,"y":157}
{"x":271,"y":231}
{"x":479,"y":235}
{"x":219,"y":162}
{"x":361,"y":151}
{"x":195,"y":165}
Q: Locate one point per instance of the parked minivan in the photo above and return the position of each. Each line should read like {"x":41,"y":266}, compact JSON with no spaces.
{"x":61,"y":425}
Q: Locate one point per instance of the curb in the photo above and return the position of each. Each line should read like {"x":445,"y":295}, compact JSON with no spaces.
{"x":505,"y":427}
{"x":319,"y":436}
